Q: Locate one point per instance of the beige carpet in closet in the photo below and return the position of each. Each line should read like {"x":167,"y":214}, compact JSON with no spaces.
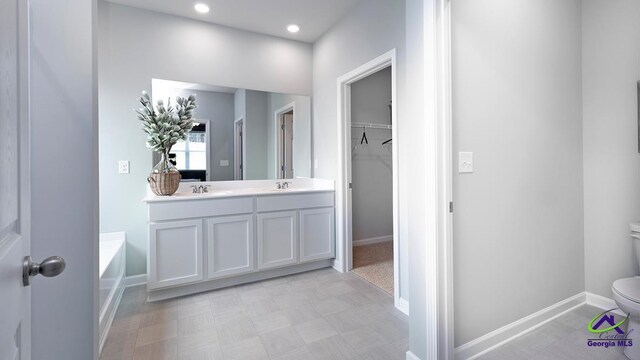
{"x":374,"y":263}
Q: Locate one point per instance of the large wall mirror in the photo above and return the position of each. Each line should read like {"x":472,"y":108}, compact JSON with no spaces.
{"x":241,"y":134}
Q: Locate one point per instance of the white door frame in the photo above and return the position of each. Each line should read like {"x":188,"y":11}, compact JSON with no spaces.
{"x":437,"y":257}
{"x":208,"y":147}
{"x":278,"y":136}
{"x":236,"y":174}
{"x":344,"y":236}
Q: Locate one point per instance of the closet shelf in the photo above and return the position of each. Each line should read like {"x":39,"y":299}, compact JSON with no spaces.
{"x":371,"y":126}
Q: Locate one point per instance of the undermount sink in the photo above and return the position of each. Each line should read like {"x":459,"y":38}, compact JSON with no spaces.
{"x":288,"y":189}
{"x":218,"y":192}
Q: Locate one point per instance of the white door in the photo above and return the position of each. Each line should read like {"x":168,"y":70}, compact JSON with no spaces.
{"x":15,"y":298}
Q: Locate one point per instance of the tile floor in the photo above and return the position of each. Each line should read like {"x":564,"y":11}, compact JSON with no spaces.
{"x":564,"y":338}
{"x":317,"y":315}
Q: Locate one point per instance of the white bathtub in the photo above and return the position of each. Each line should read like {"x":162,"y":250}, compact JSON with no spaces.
{"x":112,"y":265}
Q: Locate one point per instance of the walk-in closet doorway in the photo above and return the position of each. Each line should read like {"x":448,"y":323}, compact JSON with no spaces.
{"x":378,"y":147}
{"x":372,"y":179}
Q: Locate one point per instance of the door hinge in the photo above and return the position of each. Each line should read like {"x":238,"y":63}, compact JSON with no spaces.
{"x":282,"y":126}
{"x":350,"y":185}
{"x":451,"y":206}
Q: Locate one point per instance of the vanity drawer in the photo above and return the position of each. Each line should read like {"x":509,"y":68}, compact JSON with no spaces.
{"x":294,"y":201}
{"x":171,"y":210}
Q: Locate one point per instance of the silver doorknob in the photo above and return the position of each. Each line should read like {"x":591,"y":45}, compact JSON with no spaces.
{"x":50,"y":267}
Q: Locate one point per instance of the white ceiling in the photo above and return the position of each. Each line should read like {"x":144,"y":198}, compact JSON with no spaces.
{"x":269,"y":17}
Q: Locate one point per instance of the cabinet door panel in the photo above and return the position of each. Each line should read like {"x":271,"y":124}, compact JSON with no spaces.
{"x":230,"y":245}
{"x":175,"y":253}
{"x":317,"y":234}
{"x":277,"y":239}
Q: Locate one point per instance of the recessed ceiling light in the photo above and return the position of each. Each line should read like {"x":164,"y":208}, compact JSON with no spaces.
{"x":293,"y":28}
{"x":201,"y":8}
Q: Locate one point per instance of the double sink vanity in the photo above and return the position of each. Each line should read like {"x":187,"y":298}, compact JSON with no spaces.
{"x":216,"y":234}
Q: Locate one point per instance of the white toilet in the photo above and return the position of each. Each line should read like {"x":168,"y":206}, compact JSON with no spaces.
{"x":626,"y":293}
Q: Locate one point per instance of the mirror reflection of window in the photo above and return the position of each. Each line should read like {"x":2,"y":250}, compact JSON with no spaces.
{"x":192,"y":153}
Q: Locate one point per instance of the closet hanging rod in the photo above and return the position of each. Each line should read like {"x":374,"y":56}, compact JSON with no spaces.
{"x":371,"y":126}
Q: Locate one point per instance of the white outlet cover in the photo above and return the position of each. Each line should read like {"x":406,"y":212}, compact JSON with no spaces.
{"x":224,"y":162}
{"x":465,"y":162}
{"x":123,"y":167}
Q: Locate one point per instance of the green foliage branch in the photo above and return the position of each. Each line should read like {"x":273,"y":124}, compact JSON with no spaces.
{"x":166,"y":125}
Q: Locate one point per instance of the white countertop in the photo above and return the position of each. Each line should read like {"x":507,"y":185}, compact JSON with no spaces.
{"x":226,"y":189}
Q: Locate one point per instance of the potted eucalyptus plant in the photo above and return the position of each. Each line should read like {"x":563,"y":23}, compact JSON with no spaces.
{"x":165,"y":126}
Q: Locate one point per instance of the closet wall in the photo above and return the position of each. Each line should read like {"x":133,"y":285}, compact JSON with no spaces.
{"x":371,"y":164}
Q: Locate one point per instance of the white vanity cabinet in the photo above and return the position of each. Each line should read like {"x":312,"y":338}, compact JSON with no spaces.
{"x":205,"y":243}
{"x":317,"y":234}
{"x":229,"y":246}
{"x":312,"y":234}
{"x":175,"y":253}
{"x":277,"y":239}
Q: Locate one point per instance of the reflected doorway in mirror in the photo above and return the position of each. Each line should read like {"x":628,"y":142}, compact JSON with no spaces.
{"x":238,"y":149}
{"x":284,"y":120}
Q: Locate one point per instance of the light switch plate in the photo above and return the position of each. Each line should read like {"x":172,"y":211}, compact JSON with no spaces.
{"x":224,"y":162}
{"x":465,"y":162}
{"x":315,"y":164}
{"x":123,"y":167}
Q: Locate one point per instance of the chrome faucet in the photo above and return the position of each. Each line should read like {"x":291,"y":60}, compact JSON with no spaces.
{"x":282,"y":185}
{"x":200,"y":189}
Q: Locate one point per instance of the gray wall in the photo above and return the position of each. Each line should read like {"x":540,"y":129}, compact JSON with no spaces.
{"x":218,"y":108}
{"x":239,"y":101}
{"x":64,"y":177}
{"x":518,"y":225}
{"x":174,"y":48}
{"x":371,"y":29}
{"x":301,"y":133}
{"x":371,"y":165}
{"x":611,"y":69}
{"x":255,"y":131}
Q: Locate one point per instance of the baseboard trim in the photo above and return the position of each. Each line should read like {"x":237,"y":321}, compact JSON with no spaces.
{"x":412,"y":356}
{"x":402,"y":305}
{"x":374,"y":240}
{"x":603,"y":303}
{"x":194,"y":288}
{"x":135,"y":280}
{"x":503,"y":335}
